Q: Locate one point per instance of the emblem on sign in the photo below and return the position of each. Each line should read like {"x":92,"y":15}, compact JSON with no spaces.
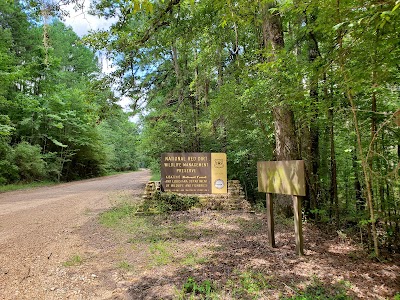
{"x":219,"y":163}
{"x":219,"y":184}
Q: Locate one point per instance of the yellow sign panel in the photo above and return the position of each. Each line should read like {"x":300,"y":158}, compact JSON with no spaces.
{"x":218,"y":173}
{"x":281,"y":177}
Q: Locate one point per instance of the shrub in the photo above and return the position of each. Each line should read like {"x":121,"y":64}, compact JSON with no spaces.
{"x":8,"y":169}
{"x":204,"y":288}
{"x":165,"y":202}
{"x":29,"y":161}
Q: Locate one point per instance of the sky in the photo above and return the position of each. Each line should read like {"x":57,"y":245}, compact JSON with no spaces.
{"x":82,"y":22}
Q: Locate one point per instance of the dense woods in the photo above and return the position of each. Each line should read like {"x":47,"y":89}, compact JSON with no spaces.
{"x":259,"y":80}
{"x":265,"y":80}
{"x":58,"y":115}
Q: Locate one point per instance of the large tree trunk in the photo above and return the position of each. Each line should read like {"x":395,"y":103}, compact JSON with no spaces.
{"x":285,"y":132}
{"x":284,"y":124}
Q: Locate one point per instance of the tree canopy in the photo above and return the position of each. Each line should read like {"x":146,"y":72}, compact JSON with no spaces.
{"x":266,"y":80}
{"x":53,"y":103}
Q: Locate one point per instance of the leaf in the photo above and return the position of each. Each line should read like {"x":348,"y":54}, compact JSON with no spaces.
{"x":58,"y":143}
{"x":396,"y":6}
{"x":6,"y":130}
{"x":338,"y":26}
{"x":58,"y":125}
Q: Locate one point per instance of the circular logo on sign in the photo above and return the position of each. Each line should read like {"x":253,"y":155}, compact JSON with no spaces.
{"x":219,"y":183}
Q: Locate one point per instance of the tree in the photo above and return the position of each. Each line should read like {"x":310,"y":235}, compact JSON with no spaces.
{"x":269,"y":80}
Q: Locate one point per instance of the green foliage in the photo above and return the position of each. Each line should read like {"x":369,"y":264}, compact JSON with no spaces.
{"x":155,"y":176}
{"x":167,"y":202}
{"x":8,"y":168}
{"x":205,"y":288}
{"x":120,"y":137}
{"x":29,"y":161}
{"x":75,"y":260}
{"x":321,"y":291}
{"x":54,"y":98}
{"x":118,"y":214}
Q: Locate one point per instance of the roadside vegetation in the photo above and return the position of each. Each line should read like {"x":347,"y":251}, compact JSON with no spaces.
{"x":59,"y":119}
{"x":195,"y":254}
{"x":259,"y":80}
{"x":24,"y":186}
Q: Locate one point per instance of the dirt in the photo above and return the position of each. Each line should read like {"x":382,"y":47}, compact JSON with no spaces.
{"x":40,"y":236}
{"x":52,"y":246}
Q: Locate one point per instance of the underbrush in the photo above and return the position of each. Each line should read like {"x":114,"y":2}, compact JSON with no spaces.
{"x":217,"y":255}
{"x":318,"y":290}
{"x":255,"y":285}
{"x":167,"y":202}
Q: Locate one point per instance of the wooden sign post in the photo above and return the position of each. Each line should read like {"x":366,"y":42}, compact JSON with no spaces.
{"x":283,"y":177}
{"x":270,"y":219}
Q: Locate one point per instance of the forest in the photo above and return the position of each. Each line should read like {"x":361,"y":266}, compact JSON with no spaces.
{"x":59,"y":120}
{"x":258,"y":80}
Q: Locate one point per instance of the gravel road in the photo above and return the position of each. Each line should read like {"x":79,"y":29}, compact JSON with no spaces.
{"x":42,"y":229}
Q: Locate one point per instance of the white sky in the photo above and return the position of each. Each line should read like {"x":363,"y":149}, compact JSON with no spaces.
{"x":82,"y":22}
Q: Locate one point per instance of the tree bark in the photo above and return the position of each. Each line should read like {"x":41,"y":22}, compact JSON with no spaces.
{"x":333,"y":192}
{"x":284,"y":123}
{"x":311,"y":156}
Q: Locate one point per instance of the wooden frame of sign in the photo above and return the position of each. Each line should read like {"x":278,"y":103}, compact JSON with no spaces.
{"x":283,"y":177}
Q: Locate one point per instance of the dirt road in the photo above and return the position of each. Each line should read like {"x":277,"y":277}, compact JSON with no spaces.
{"x":41,"y":235}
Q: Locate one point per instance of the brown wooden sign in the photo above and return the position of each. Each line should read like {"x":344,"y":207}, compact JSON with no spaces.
{"x":281,"y":177}
{"x":194,"y":173}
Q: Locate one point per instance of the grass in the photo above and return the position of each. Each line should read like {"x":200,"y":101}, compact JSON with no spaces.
{"x":161,"y":253}
{"x":124,"y":265}
{"x":75,"y":260}
{"x":25,"y":186}
{"x":318,"y":290}
{"x":256,"y":285}
{"x":241,"y":285}
{"x":191,"y":288}
{"x":116,"y":216}
{"x":192,"y":259}
{"x":247,"y":285}
{"x":249,"y":225}
{"x":155,"y":176}
{"x":163,"y":238}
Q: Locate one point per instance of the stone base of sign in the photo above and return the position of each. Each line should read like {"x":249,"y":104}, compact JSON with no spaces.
{"x":234,"y":200}
{"x":151,"y":188}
